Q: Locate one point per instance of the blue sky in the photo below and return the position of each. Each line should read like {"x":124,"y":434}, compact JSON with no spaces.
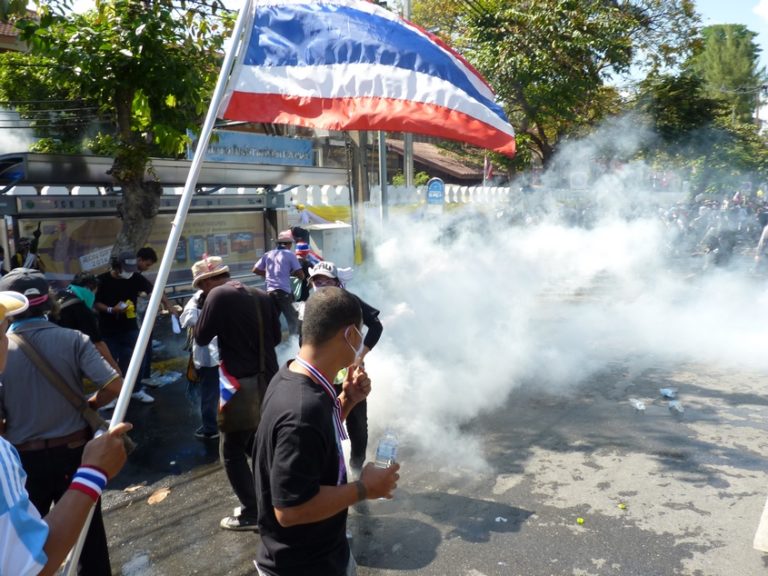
{"x":752,"y":13}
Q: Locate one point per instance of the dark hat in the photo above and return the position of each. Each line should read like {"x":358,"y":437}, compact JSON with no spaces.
{"x":127,"y":261}
{"x":31,"y":283}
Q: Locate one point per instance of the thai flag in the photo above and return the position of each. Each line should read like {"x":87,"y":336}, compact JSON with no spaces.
{"x":487,"y":169}
{"x":353,"y":65}
{"x":228,"y":385}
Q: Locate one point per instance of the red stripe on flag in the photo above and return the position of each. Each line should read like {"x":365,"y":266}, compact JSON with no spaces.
{"x":368,"y":114}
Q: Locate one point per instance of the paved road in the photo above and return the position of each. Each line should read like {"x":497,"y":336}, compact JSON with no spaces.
{"x":659,"y":494}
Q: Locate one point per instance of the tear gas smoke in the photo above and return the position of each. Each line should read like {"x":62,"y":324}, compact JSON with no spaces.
{"x":472,"y":312}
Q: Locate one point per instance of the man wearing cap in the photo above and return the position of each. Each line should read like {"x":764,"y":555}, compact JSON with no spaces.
{"x":206,"y":274}
{"x":247,"y":328}
{"x":30,"y":544}
{"x":48,"y":432}
{"x":277,"y":266}
{"x":325,"y":274}
{"x":119,"y":290}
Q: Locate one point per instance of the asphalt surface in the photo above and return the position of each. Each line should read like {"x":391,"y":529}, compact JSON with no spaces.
{"x":575,"y":484}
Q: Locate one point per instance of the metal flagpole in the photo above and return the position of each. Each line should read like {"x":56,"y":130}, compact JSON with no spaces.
{"x":177,"y":225}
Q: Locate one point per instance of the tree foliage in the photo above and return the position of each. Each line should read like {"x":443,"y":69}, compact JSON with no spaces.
{"x":677,"y":107}
{"x":147,"y":67}
{"x":549,"y":60}
{"x":697,"y":132}
{"x":728,"y":63}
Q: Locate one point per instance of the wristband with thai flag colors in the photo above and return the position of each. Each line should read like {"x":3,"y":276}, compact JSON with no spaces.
{"x":90,"y":481}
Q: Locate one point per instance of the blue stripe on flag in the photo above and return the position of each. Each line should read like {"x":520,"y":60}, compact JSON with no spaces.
{"x":328,"y":34}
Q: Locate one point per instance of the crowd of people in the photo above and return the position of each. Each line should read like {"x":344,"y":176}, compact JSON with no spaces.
{"x":280,"y":429}
{"x":718,"y":229}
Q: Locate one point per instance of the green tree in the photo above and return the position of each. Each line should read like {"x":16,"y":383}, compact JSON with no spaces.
{"x":148,"y":66}
{"x":549,"y":60}
{"x":696,"y":133}
{"x":728,"y":62}
{"x":678,"y":108}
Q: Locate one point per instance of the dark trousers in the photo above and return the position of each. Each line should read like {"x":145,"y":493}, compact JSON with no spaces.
{"x":357,"y":428}
{"x":209,"y":397}
{"x":284,"y":303}
{"x":121,"y":347}
{"x":234,"y":449}
{"x":49,"y":473}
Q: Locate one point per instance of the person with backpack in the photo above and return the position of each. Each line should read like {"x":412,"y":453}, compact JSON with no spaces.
{"x":74,"y":310}
{"x":245,"y":324}
{"x":277,"y":267}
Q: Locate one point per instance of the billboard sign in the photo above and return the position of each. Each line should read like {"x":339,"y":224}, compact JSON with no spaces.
{"x":248,"y":148}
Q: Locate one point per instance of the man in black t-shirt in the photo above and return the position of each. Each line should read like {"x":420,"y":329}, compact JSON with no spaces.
{"x":301,"y":479}
{"x":116,"y":304}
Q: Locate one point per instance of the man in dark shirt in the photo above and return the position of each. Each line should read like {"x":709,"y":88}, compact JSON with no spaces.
{"x":301,"y":479}
{"x":247,"y":326}
{"x":116,"y":304}
{"x":76,"y":312}
{"x":325,"y":274}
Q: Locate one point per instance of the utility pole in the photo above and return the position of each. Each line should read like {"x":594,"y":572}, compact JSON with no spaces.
{"x":407,"y":137}
{"x":360,"y":192}
{"x":384,"y":207}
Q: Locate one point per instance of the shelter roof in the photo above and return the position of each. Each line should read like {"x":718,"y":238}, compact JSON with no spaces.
{"x":433,"y":156}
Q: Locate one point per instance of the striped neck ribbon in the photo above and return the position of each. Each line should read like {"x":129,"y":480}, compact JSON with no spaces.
{"x":341,"y":434}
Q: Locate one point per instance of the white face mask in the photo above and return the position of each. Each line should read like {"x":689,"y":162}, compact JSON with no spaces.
{"x":359,"y":350}
{"x":126,"y":275}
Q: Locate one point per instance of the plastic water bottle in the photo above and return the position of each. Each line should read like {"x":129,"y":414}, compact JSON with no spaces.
{"x":386,"y":453}
{"x":638,"y":405}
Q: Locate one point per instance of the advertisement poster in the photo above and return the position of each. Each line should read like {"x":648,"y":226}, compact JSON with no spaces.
{"x":71,"y":245}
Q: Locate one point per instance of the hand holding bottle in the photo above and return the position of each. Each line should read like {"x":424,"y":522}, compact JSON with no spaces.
{"x":380,"y":482}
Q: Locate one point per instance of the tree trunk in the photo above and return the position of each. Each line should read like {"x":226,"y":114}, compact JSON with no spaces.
{"x":139,"y":206}
{"x":141,"y":198}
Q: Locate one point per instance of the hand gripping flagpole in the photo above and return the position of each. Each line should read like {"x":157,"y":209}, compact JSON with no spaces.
{"x":177,"y":225}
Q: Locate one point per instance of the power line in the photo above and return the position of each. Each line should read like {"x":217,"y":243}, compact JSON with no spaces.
{"x":12,"y":102}
{"x":44,"y":111}
{"x":738,"y":90}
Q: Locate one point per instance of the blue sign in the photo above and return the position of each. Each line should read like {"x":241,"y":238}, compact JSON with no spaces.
{"x":435,"y":191}
{"x":246,"y":148}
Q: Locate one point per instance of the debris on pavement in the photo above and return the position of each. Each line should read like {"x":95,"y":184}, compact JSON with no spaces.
{"x":158,"y":496}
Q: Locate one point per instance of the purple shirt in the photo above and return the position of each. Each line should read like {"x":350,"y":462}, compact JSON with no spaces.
{"x":278,"y":264}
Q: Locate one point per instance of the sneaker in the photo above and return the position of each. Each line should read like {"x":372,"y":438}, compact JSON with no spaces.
{"x":240,"y":523}
{"x":109,"y":405}
{"x":200,"y":433}
{"x":142,"y":397}
{"x":150,"y":383}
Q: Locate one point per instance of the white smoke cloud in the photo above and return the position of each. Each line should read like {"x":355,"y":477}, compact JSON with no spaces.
{"x":469,"y":316}
{"x":761,"y":9}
